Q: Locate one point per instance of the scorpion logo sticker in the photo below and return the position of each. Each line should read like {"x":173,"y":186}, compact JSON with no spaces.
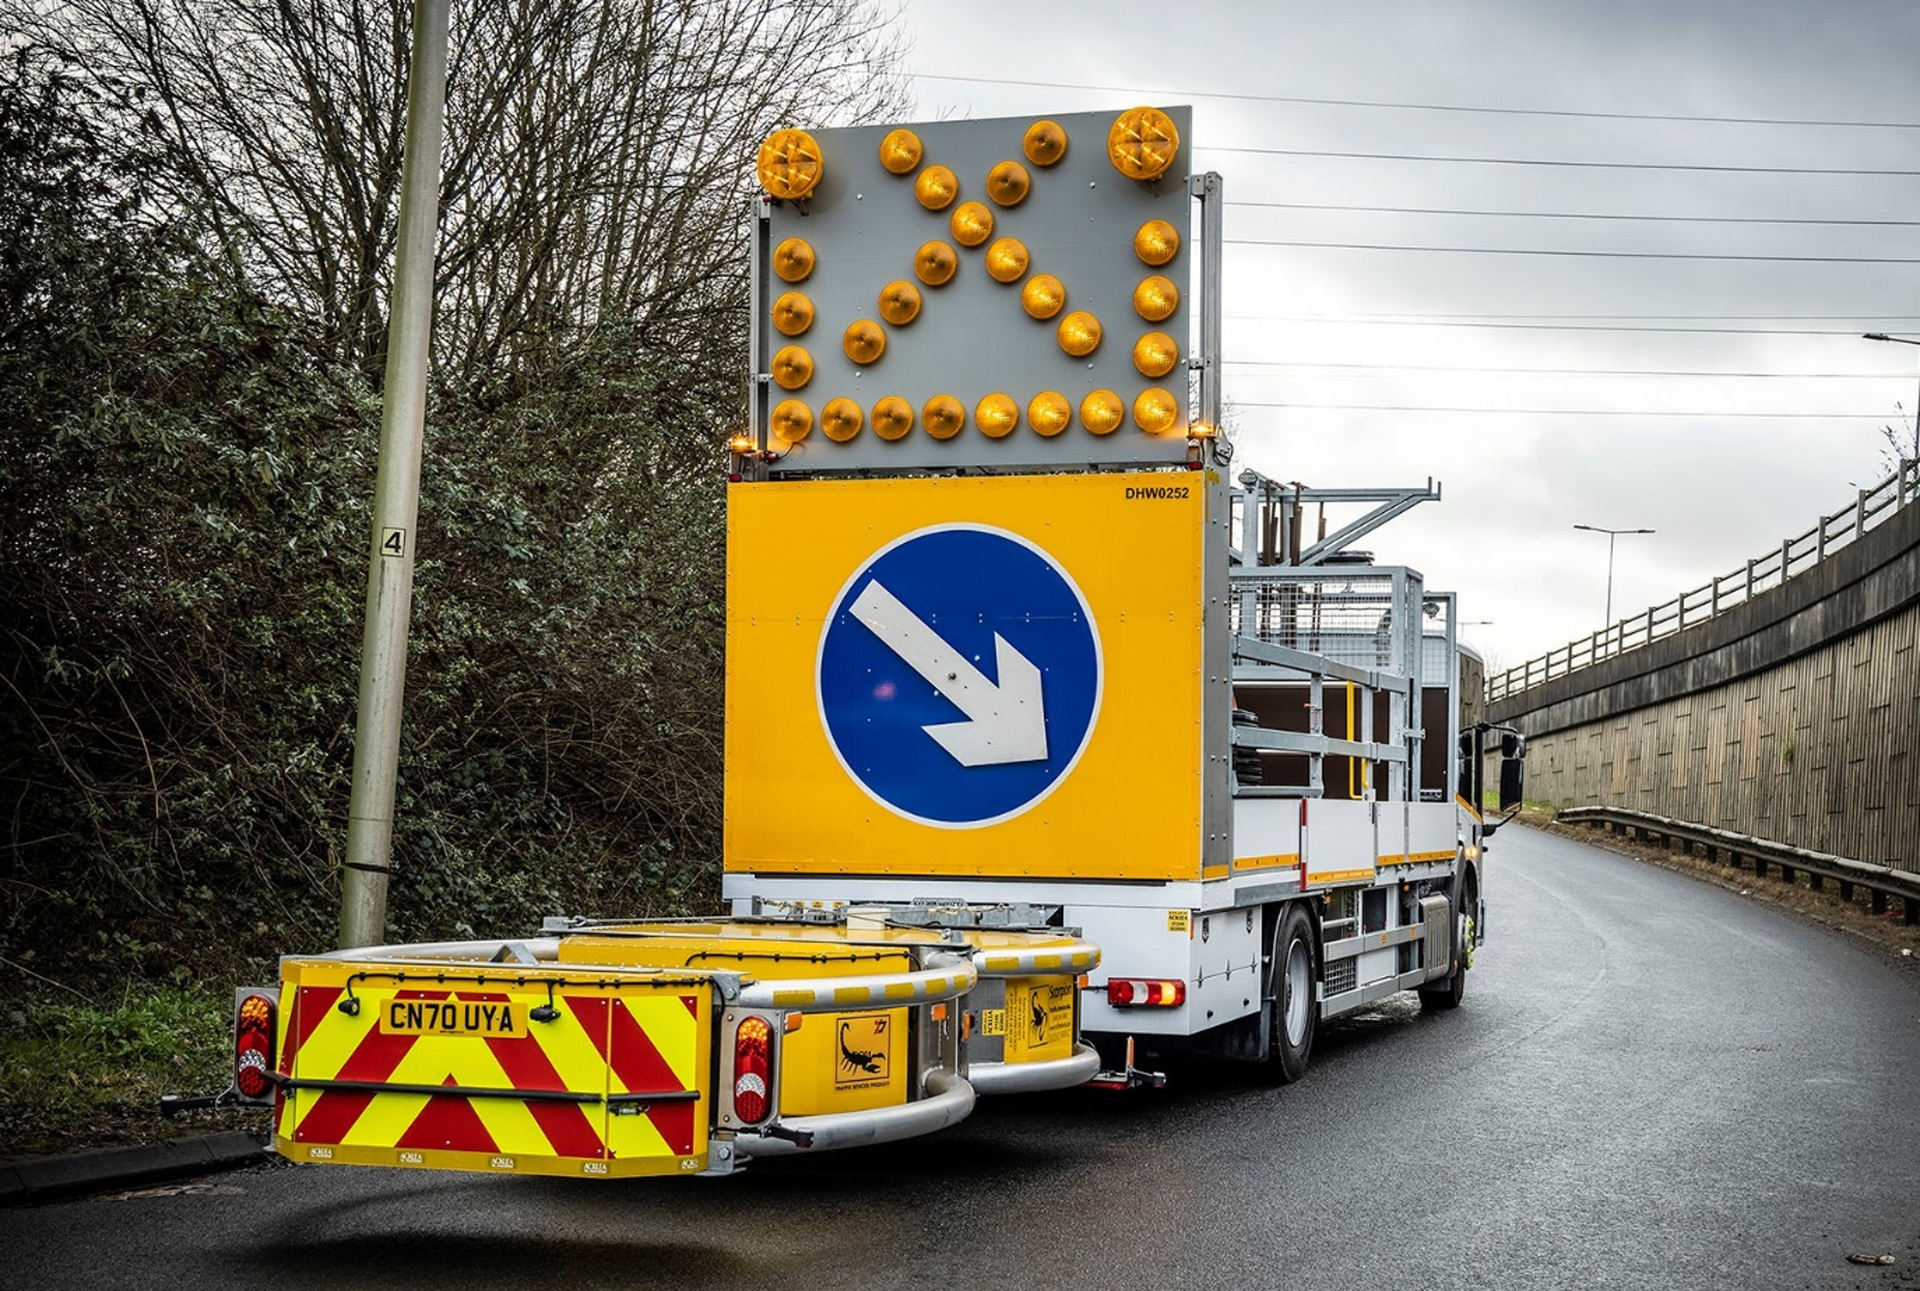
{"x":864,"y":1052}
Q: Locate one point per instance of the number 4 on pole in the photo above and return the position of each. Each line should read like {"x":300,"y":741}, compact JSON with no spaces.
{"x":393,"y":542}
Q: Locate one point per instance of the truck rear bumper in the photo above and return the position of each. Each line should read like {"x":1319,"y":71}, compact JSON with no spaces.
{"x":949,"y":1100}
{"x":994,"y":1078}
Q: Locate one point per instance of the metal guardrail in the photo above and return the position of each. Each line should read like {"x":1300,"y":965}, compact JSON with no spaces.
{"x":1795,"y":555}
{"x":1882,"y":882}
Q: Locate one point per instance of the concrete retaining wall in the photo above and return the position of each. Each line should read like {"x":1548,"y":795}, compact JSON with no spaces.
{"x":1794,"y":717}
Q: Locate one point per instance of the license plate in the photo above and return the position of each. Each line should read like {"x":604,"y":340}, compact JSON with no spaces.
{"x":487,"y":1018}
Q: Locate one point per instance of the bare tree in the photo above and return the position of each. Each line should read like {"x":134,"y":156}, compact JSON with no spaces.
{"x":1901,"y":444}
{"x":598,"y":152}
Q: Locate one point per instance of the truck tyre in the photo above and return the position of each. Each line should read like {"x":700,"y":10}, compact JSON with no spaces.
{"x":1451,"y":989}
{"x":1295,"y":1006}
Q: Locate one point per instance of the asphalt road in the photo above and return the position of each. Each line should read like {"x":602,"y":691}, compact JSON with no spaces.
{"x":1653,"y":1083}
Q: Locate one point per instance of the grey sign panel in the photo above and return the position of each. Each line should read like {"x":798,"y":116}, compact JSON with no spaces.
{"x":972,"y":338}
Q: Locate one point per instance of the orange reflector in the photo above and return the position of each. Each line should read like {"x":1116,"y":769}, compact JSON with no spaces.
{"x":1045,"y":143}
{"x":1079,"y":333}
{"x":1007,"y":183}
{"x":1155,"y":354}
{"x":793,"y":260}
{"x":790,"y":421}
{"x":1007,"y":260}
{"x":1049,"y":413}
{"x":899,"y":302}
{"x":840,"y":420}
{"x":939,"y":1012}
{"x":900,"y":151}
{"x":795,"y":1021}
{"x":1155,"y":410}
{"x":1043,"y":296}
{"x":864,"y":341}
{"x":971,"y":223}
{"x":996,"y":415}
{"x":1101,"y":412}
{"x":934,"y":263}
{"x":943,"y":416}
{"x":892,"y":417}
{"x":1156,"y":298}
{"x":936,"y":188}
{"x":1156,"y":242}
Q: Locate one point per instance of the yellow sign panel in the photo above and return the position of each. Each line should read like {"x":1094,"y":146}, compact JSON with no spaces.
{"x":966,"y":675}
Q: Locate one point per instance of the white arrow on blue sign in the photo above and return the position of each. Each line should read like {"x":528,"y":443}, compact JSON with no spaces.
{"x":959,"y":675}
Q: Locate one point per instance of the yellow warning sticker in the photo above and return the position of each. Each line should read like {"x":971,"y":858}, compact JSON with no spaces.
{"x":1039,"y":1018}
{"x":993,"y":1021}
{"x":865,"y":1051}
{"x":1180,"y":921}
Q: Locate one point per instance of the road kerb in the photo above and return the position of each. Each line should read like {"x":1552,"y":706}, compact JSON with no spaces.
{"x":30,"y":1179}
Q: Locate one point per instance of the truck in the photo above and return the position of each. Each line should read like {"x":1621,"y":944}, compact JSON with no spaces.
{"x":1053,"y":747}
{"x":1003,"y":626}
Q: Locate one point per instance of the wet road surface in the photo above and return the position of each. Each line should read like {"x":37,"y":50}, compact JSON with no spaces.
{"x":1652,"y":1083}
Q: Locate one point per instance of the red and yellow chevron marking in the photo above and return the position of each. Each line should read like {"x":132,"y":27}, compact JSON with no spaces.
{"x":611,"y":1038}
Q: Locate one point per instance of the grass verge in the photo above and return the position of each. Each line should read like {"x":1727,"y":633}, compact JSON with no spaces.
{"x":82,"y":1073}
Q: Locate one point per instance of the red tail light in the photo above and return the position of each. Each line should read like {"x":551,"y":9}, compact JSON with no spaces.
{"x":753,"y":1071}
{"x":1125,"y":993}
{"x":253,"y":1046}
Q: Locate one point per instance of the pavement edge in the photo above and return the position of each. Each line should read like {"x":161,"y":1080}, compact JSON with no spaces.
{"x":44,"y":1178}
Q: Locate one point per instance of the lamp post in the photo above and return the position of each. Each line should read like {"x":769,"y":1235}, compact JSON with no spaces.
{"x":396,"y":490}
{"x":1902,"y":340}
{"x":1611,"y":535}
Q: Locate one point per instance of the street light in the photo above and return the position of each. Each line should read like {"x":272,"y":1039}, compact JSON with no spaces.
{"x":1611,"y":535}
{"x":1902,"y":340}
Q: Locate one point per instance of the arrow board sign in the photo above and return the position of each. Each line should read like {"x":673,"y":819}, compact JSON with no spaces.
{"x":959,"y":676}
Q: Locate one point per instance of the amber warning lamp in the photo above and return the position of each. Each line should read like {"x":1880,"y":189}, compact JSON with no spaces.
{"x":789,"y":165}
{"x":1142,"y":143}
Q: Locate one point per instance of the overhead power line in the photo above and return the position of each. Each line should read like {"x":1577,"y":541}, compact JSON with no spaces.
{"x":1451,"y":314}
{"x":1387,"y":369}
{"x":1547,"y":412}
{"x":1556,"y":161}
{"x":1572,"y":215}
{"x":1135,"y":92}
{"x":1544,"y":327}
{"x":1549,"y":251}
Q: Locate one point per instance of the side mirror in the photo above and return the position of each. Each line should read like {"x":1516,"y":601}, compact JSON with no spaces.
{"x":1513,"y":775}
{"x":1513,"y":769}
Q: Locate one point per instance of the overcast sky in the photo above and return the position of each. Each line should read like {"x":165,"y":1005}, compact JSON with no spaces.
{"x":1718,"y":488}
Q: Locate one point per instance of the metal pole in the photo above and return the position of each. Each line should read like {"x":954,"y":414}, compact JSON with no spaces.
{"x":396,"y":489}
{"x":1610,"y":537}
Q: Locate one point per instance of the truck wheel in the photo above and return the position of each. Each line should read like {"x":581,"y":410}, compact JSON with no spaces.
{"x":1450,"y":990}
{"x":1295,"y":1010}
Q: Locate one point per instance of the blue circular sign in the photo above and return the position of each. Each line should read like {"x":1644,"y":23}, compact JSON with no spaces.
{"x":959,"y":675}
